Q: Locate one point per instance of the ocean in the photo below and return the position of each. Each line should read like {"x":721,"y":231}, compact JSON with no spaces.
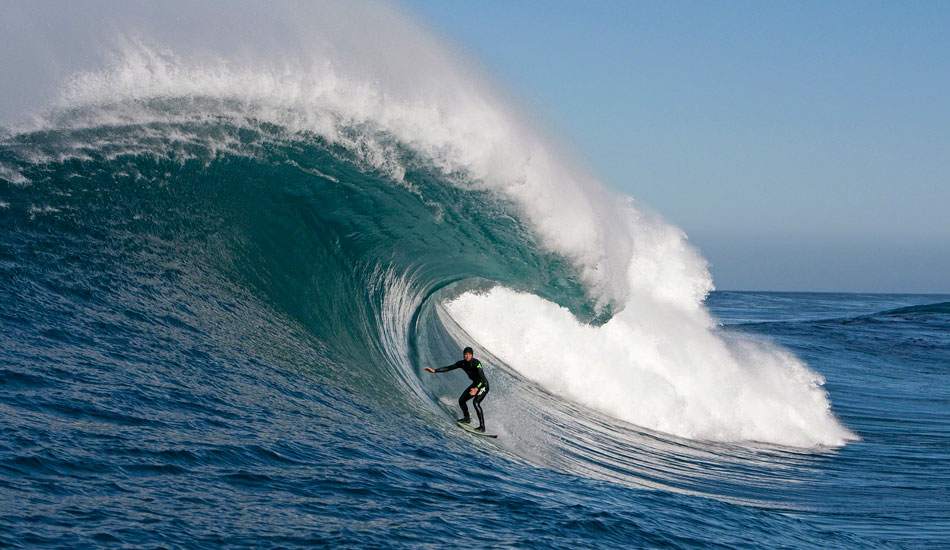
{"x":220,"y":286}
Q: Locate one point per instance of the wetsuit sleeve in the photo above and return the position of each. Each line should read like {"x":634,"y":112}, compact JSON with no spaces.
{"x":482,"y":381}
{"x":450,"y":367}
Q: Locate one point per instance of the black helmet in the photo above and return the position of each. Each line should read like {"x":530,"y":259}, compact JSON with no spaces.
{"x":468,"y":350}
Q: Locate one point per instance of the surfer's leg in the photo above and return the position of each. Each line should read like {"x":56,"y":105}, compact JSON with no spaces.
{"x":477,"y":403}
{"x":463,"y":402}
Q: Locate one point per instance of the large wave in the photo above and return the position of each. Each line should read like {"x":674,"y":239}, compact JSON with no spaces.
{"x":394,"y":204}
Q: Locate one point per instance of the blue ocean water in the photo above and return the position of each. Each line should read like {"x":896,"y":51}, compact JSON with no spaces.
{"x":203,"y":347}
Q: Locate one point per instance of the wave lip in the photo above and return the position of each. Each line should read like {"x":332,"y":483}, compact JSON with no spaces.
{"x":452,"y":120}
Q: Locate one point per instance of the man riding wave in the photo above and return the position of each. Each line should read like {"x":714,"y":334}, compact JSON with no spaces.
{"x":478,"y":388}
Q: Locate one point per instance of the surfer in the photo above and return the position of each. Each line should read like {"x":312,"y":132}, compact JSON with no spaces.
{"x":477,"y":389}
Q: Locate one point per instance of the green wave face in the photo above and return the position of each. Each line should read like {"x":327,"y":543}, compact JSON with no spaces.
{"x":291,"y":220}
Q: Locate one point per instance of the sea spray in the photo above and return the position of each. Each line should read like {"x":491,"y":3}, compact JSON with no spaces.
{"x":660,"y":368}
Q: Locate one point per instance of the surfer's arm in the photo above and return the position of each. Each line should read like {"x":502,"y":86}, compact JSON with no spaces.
{"x":483,"y":381}
{"x":448,"y":368}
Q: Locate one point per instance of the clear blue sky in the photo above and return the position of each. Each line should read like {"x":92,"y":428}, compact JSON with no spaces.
{"x":802,"y":146}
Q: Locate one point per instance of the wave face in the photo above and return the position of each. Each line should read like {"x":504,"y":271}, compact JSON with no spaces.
{"x":191,"y":223}
{"x":464,"y":192}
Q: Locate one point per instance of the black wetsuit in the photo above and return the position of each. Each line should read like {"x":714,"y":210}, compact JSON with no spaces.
{"x":475,"y":372}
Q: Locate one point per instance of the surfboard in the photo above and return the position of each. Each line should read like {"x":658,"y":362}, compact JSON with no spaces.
{"x":468,"y":428}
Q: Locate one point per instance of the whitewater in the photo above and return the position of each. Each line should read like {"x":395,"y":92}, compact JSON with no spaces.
{"x":226,"y":262}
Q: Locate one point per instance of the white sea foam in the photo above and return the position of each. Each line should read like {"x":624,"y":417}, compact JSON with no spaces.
{"x":402,"y":88}
{"x":47,"y":209}
{"x":662,"y":368}
{"x":12,"y":176}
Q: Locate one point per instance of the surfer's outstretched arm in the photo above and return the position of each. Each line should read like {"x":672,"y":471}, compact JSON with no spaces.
{"x":445,"y":369}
